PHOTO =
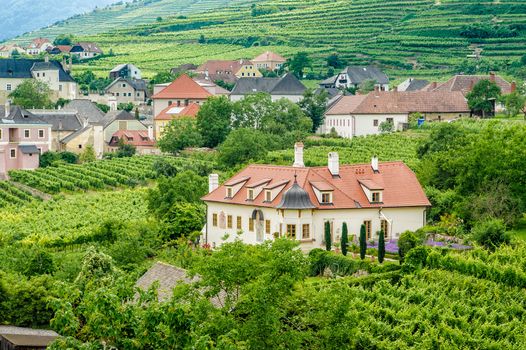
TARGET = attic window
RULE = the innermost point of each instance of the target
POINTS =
(268, 196)
(376, 197)
(326, 198)
(250, 194)
(229, 192)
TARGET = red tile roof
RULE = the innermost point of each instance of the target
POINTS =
(401, 102)
(183, 87)
(174, 112)
(401, 187)
(132, 137)
(464, 83)
(269, 56)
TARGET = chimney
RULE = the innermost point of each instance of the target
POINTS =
(150, 132)
(334, 164)
(213, 182)
(374, 164)
(513, 86)
(7, 108)
(492, 76)
(298, 155)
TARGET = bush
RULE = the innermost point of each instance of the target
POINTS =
(491, 233)
(407, 241)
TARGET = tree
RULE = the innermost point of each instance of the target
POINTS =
(386, 127)
(407, 241)
(345, 239)
(367, 86)
(104, 108)
(213, 120)
(243, 145)
(69, 157)
(125, 150)
(314, 106)
(128, 107)
(491, 233)
(363, 242)
(381, 247)
(515, 104)
(32, 93)
(482, 98)
(298, 63)
(328, 237)
(88, 155)
(164, 168)
(202, 39)
(39, 263)
(63, 39)
(180, 134)
(182, 220)
(334, 61)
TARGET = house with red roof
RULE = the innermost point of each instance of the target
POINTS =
(269, 61)
(38, 45)
(171, 113)
(263, 202)
(142, 140)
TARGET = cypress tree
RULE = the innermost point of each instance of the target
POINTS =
(328, 243)
(381, 247)
(345, 238)
(363, 243)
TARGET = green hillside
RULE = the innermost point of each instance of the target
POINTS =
(428, 38)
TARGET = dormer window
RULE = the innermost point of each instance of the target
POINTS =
(229, 192)
(326, 198)
(268, 196)
(376, 197)
(250, 194)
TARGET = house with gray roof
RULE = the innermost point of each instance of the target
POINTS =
(353, 76)
(126, 90)
(288, 87)
(126, 70)
(14, 72)
(412, 84)
(13, 338)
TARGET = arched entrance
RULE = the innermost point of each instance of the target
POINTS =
(259, 220)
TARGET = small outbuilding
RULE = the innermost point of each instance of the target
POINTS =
(19, 338)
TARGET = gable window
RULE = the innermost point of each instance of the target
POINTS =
(12, 153)
(41, 133)
(229, 192)
(375, 196)
(239, 223)
(267, 226)
(123, 85)
(291, 231)
(367, 224)
(229, 221)
(214, 220)
(326, 198)
(26, 133)
(385, 227)
(250, 194)
(251, 225)
(375, 122)
(305, 231)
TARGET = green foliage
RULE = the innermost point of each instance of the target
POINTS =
(97, 270)
(367, 86)
(381, 247)
(363, 242)
(213, 120)
(88, 155)
(32, 93)
(386, 127)
(482, 97)
(180, 134)
(39, 263)
(491, 233)
(125, 150)
(407, 241)
(63, 39)
(298, 63)
(164, 168)
(128, 107)
(104, 108)
(51, 158)
(344, 239)
(335, 61)
(314, 106)
(487, 30)
(182, 220)
(243, 145)
(327, 236)
(515, 104)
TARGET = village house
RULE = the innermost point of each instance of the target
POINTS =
(183, 68)
(126, 70)
(38, 46)
(181, 92)
(23, 137)
(142, 140)
(263, 202)
(15, 71)
(8, 50)
(288, 87)
(227, 71)
(412, 84)
(63, 123)
(126, 90)
(465, 83)
(269, 61)
(359, 115)
(19, 338)
(171, 113)
(354, 76)
(85, 50)
(60, 49)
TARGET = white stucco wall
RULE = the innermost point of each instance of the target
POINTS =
(359, 125)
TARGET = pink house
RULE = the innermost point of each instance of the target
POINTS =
(23, 137)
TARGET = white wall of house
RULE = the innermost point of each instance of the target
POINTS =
(399, 219)
(343, 81)
(7, 86)
(360, 125)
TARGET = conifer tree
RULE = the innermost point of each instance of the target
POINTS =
(381, 247)
(363, 243)
(345, 239)
(328, 243)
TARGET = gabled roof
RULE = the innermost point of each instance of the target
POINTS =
(401, 102)
(63, 76)
(269, 56)
(62, 48)
(28, 337)
(38, 42)
(286, 85)
(358, 74)
(75, 134)
(136, 84)
(401, 187)
(59, 119)
(112, 116)
(413, 85)
(174, 112)
(19, 115)
(86, 47)
(22, 68)
(85, 109)
(464, 83)
(184, 88)
(132, 137)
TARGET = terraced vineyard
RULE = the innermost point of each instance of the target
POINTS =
(400, 35)
(100, 174)
(12, 195)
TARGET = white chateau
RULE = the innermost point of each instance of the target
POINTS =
(263, 202)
